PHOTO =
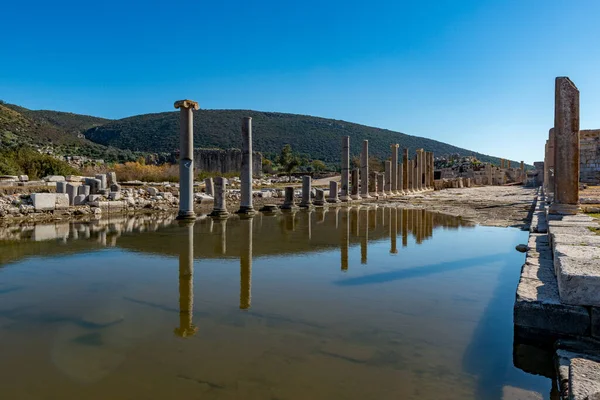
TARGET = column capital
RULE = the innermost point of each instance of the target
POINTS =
(187, 104)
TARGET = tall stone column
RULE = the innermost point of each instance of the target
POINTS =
(246, 263)
(364, 171)
(552, 160)
(186, 158)
(400, 179)
(373, 183)
(405, 171)
(502, 163)
(546, 164)
(566, 148)
(186, 285)
(394, 170)
(306, 189)
(355, 195)
(421, 169)
(381, 185)
(410, 177)
(388, 178)
(246, 175)
(522, 172)
(416, 173)
(345, 195)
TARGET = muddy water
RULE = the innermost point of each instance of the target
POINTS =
(359, 303)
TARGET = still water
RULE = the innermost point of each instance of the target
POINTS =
(350, 303)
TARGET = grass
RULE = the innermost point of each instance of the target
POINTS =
(594, 229)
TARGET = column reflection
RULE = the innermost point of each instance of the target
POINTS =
(344, 237)
(246, 263)
(186, 283)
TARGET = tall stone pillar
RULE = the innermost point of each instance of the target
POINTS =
(186, 158)
(421, 159)
(306, 190)
(246, 263)
(400, 179)
(394, 170)
(186, 285)
(373, 183)
(405, 171)
(388, 178)
(508, 164)
(364, 171)
(381, 185)
(220, 199)
(552, 160)
(522, 172)
(410, 176)
(416, 173)
(345, 194)
(566, 148)
(502, 163)
(246, 176)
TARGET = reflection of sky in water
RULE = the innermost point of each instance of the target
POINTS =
(433, 320)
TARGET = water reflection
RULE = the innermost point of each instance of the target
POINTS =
(246, 263)
(186, 284)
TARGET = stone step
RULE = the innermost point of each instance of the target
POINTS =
(578, 374)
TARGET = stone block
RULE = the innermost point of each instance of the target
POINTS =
(99, 203)
(584, 379)
(538, 304)
(116, 204)
(83, 190)
(80, 200)
(43, 201)
(61, 187)
(114, 195)
(55, 178)
(578, 272)
(595, 314)
(94, 185)
(94, 197)
(72, 192)
(115, 187)
(74, 178)
(152, 191)
(62, 201)
(102, 178)
(111, 178)
(23, 178)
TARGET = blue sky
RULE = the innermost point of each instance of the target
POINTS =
(476, 74)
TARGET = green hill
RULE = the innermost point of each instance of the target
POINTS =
(319, 138)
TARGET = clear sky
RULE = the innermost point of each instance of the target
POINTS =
(476, 74)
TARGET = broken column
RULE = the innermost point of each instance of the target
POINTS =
(186, 158)
(344, 196)
(380, 185)
(333, 192)
(319, 197)
(388, 179)
(566, 148)
(246, 175)
(355, 182)
(364, 171)
(306, 201)
(288, 202)
(209, 186)
(220, 202)
(394, 170)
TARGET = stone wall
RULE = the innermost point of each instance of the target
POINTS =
(589, 156)
(225, 161)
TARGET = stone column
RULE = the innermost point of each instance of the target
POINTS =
(566, 148)
(502, 163)
(246, 174)
(388, 178)
(421, 159)
(355, 195)
(364, 171)
(416, 174)
(522, 173)
(400, 181)
(488, 173)
(246, 263)
(220, 200)
(508, 164)
(319, 197)
(306, 189)
(186, 158)
(552, 161)
(410, 177)
(186, 286)
(333, 192)
(373, 184)
(210, 187)
(345, 169)
(394, 170)
(288, 203)
(405, 171)
(380, 185)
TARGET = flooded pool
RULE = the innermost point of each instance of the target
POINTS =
(349, 303)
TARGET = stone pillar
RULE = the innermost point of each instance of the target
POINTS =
(333, 192)
(405, 171)
(288, 203)
(488, 174)
(551, 160)
(566, 148)
(209, 186)
(355, 195)
(508, 164)
(410, 177)
(380, 185)
(400, 180)
(522, 172)
(416, 174)
(502, 163)
(319, 197)
(345, 169)
(246, 263)
(364, 171)
(186, 286)
(306, 189)
(186, 158)
(421, 159)
(373, 184)
(220, 199)
(246, 174)
(394, 170)
(388, 178)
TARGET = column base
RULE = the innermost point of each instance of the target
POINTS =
(269, 209)
(333, 200)
(564, 209)
(186, 215)
(305, 205)
(246, 210)
(365, 196)
(219, 214)
(317, 203)
(344, 198)
(288, 207)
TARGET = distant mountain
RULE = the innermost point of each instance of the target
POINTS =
(319, 138)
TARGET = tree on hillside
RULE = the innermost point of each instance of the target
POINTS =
(288, 160)
(318, 166)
